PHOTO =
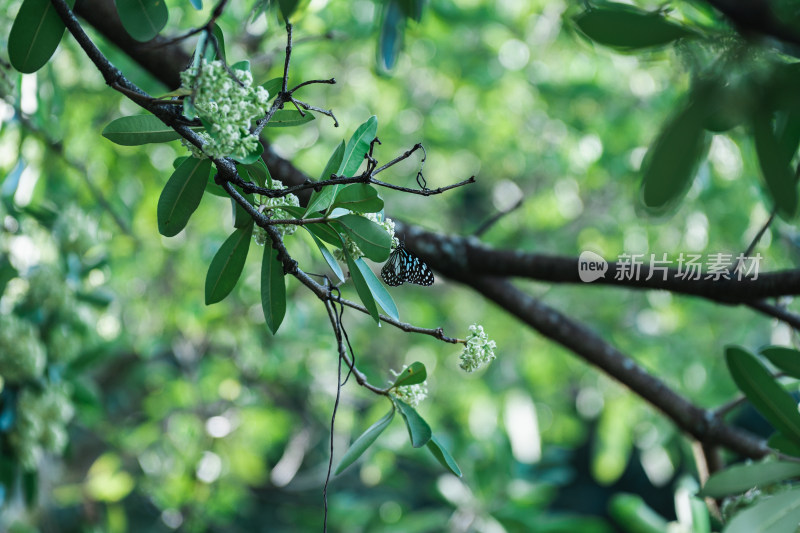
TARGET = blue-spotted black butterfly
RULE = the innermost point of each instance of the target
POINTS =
(405, 267)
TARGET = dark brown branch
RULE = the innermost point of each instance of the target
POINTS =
(701, 424)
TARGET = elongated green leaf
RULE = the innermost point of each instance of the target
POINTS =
(326, 233)
(373, 240)
(241, 218)
(287, 7)
(766, 395)
(780, 180)
(418, 430)
(286, 118)
(628, 28)
(220, 37)
(139, 129)
(359, 197)
(391, 38)
(364, 441)
(778, 442)
(443, 456)
(332, 262)
(358, 146)
(182, 195)
(776, 514)
(672, 160)
(253, 156)
(273, 289)
(741, 478)
(379, 292)
(411, 375)
(273, 87)
(362, 288)
(35, 35)
(142, 19)
(320, 201)
(259, 172)
(227, 265)
(787, 359)
(631, 510)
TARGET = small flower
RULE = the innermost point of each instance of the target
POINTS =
(271, 206)
(411, 394)
(478, 349)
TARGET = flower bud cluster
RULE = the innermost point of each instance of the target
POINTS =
(270, 206)
(411, 394)
(41, 425)
(478, 351)
(227, 107)
(22, 354)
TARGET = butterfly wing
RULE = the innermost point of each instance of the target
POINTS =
(392, 272)
(415, 270)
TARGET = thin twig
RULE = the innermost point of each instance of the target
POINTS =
(483, 228)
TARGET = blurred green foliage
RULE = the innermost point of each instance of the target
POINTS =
(197, 418)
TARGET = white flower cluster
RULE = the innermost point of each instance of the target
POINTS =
(22, 354)
(478, 351)
(353, 249)
(227, 107)
(42, 417)
(270, 206)
(411, 394)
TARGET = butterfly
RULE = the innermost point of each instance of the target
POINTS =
(404, 266)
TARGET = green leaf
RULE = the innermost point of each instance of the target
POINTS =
(241, 218)
(373, 239)
(774, 514)
(273, 289)
(418, 430)
(443, 456)
(35, 35)
(286, 118)
(332, 262)
(631, 510)
(628, 28)
(7, 273)
(358, 146)
(390, 41)
(320, 201)
(359, 197)
(142, 19)
(364, 441)
(287, 8)
(786, 359)
(379, 292)
(181, 195)
(743, 477)
(780, 180)
(362, 287)
(244, 65)
(325, 232)
(273, 87)
(227, 265)
(672, 160)
(259, 172)
(777, 441)
(764, 392)
(140, 129)
(216, 31)
(411, 375)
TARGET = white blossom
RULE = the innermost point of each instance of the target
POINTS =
(478, 349)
